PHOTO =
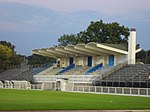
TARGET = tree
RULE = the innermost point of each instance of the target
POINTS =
(116, 34)
(6, 56)
(96, 32)
(67, 40)
(8, 44)
(143, 56)
(100, 32)
(37, 59)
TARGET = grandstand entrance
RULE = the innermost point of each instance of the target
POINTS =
(89, 60)
(58, 86)
(61, 84)
(71, 61)
(111, 60)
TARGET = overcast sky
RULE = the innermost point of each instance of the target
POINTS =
(30, 24)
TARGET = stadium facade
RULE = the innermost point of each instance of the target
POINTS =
(85, 64)
(92, 67)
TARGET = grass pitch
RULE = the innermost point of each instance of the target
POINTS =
(53, 100)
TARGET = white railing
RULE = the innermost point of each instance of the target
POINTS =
(33, 87)
(122, 61)
(110, 90)
(70, 78)
(14, 84)
(37, 86)
(1, 84)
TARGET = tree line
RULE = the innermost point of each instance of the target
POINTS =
(100, 32)
(9, 58)
(8, 55)
(143, 56)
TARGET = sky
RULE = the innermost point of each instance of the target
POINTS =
(31, 24)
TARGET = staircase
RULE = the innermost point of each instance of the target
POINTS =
(66, 69)
(94, 69)
(78, 70)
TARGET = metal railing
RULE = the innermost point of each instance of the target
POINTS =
(71, 78)
(36, 86)
(22, 87)
(110, 90)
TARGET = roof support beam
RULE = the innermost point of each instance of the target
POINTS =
(62, 50)
(78, 52)
(83, 48)
(53, 51)
(42, 54)
(51, 55)
(112, 49)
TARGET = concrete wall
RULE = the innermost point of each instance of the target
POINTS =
(97, 60)
(83, 61)
(80, 60)
(64, 62)
(120, 58)
(105, 59)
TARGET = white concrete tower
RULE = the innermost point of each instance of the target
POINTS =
(132, 46)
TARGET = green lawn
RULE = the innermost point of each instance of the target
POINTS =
(53, 100)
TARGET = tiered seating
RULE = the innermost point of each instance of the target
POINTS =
(27, 75)
(7, 75)
(101, 70)
(52, 71)
(17, 74)
(129, 73)
(66, 69)
(94, 70)
(41, 68)
(78, 70)
(104, 69)
(47, 71)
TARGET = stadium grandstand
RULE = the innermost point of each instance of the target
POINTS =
(92, 64)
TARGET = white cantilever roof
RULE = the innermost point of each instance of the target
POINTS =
(89, 49)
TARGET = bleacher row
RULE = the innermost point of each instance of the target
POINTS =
(71, 70)
(128, 73)
(128, 76)
(13, 84)
(17, 74)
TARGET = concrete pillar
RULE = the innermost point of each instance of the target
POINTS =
(93, 60)
(84, 61)
(132, 46)
(76, 60)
